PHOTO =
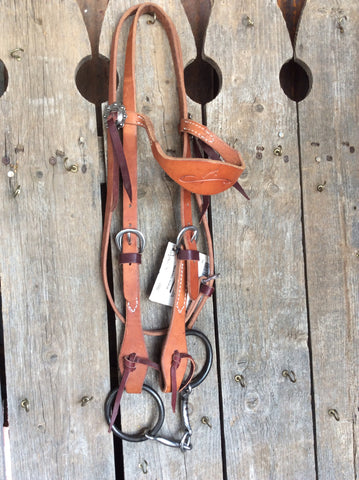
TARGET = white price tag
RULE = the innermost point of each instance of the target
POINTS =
(163, 289)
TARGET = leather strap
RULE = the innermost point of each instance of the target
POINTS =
(133, 340)
(176, 336)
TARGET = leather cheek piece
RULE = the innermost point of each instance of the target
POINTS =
(192, 257)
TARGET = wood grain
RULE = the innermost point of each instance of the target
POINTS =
(261, 298)
(329, 152)
(159, 220)
(287, 298)
(54, 309)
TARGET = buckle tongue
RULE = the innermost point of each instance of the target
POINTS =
(118, 108)
(181, 234)
(128, 231)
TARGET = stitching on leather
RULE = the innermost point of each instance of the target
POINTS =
(142, 122)
(206, 135)
(135, 307)
(180, 310)
(206, 139)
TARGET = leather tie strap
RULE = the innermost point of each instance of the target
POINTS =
(211, 153)
(130, 362)
(177, 357)
(119, 159)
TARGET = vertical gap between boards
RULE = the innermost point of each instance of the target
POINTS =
(310, 352)
(4, 434)
(2, 369)
(216, 335)
(112, 347)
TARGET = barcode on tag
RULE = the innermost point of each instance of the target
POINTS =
(163, 289)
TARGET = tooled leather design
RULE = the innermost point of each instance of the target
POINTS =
(211, 176)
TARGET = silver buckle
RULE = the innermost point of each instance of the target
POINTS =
(181, 234)
(118, 108)
(128, 231)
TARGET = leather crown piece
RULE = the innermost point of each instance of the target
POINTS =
(201, 176)
(197, 175)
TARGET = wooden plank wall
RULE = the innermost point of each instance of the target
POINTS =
(329, 137)
(287, 299)
(263, 327)
(53, 305)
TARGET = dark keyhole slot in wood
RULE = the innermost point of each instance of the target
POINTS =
(295, 79)
(92, 78)
(4, 78)
(203, 80)
(292, 11)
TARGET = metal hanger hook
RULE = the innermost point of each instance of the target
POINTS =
(71, 168)
(153, 19)
(289, 374)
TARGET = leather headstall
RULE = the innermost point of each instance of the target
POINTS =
(215, 168)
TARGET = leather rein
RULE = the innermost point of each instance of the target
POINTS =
(195, 175)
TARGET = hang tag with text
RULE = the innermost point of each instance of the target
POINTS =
(163, 289)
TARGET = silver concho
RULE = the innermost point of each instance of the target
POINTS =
(121, 114)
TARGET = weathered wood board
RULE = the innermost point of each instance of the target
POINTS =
(287, 299)
(261, 298)
(53, 305)
(329, 139)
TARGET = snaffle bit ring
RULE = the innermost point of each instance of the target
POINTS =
(137, 437)
(198, 379)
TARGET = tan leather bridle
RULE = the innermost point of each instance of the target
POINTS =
(199, 176)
